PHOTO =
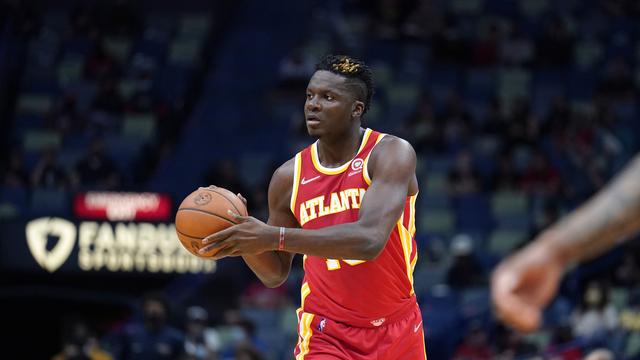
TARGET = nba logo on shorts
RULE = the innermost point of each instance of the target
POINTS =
(321, 325)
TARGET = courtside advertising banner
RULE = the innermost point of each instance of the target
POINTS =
(60, 245)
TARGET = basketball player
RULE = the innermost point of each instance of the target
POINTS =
(347, 203)
(525, 282)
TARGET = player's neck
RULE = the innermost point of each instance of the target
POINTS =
(337, 151)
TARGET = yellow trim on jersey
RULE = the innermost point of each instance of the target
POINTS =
(412, 214)
(365, 170)
(297, 169)
(336, 170)
(424, 345)
(405, 239)
(305, 290)
(304, 336)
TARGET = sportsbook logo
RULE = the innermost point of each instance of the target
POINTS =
(38, 232)
(113, 247)
(357, 164)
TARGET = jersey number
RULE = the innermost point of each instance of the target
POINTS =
(334, 264)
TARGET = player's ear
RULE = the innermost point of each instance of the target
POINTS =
(357, 109)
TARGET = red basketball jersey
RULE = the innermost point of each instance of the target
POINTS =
(355, 292)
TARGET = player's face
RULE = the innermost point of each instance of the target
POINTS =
(330, 105)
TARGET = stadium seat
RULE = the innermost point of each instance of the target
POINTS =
(502, 242)
(472, 213)
(437, 221)
(49, 202)
(14, 202)
(466, 7)
(513, 84)
(119, 48)
(34, 104)
(70, 70)
(480, 85)
(38, 140)
(533, 8)
(194, 26)
(619, 297)
(436, 183)
(507, 203)
(139, 126)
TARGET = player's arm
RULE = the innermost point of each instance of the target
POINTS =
(525, 282)
(272, 267)
(607, 219)
(392, 170)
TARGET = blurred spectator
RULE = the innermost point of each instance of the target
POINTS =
(516, 49)
(600, 354)
(465, 271)
(15, 175)
(65, 117)
(485, 50)
(201, 342)
(423, 130)
(100, 64)
(225, 174)
(474, 346)
(27, 20)
(557, 119)
(96, 171)
(389, 16)
(82, 22)
(80, 343)
(495, 122)
(152, 338)
(505, 176)
(464, 178)
(627, 274)
(562, 345)
(555, 46)
(119, 18)
(256, 295)
(423, 21)
(237, 335)
(457, 123)
(450, 45)
(512, 344)
(48, 174)
(595, 315)
(540, 177)
(626, 340)
(617, 82)
(107, 108)
(550, 214)
(108, 98)
(294, 71)
(247, 352)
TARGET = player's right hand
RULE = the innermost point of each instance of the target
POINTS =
(523, 284)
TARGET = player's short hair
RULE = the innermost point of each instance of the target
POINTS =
(359, 76)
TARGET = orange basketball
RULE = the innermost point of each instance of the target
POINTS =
(204, 212)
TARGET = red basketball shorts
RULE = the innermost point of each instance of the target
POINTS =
(322, 338)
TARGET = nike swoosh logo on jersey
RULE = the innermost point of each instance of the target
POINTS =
(306, 181)
(354, 173)
(417, 327)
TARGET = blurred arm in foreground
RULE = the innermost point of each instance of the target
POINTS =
(524, 283)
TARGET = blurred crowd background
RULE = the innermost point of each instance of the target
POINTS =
(518, 110)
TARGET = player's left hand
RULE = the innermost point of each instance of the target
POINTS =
(249, 236)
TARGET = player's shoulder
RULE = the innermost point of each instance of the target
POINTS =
(395, 145)
(284, 172)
